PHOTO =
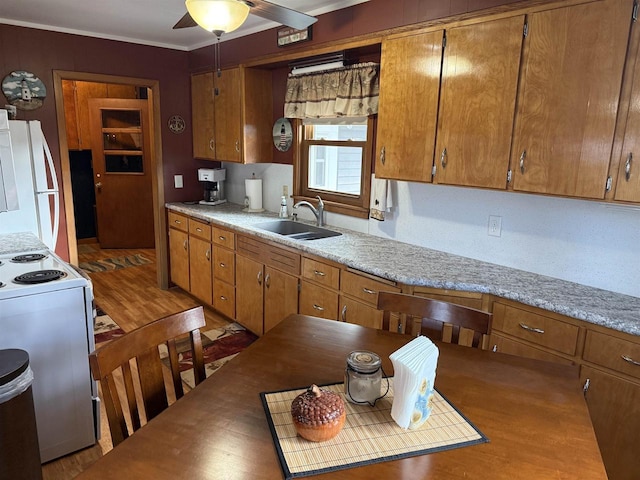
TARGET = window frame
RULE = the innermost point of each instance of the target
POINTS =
(346, 204)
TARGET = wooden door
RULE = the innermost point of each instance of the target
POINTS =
(179, 258)
(613, 405)
(202, 116)
(228, 120)
(249, 293)
(409, 86)
(477, 103)
(569, 89)
(280, 297)
(352, 311)
(200, 269)
(121, 151)
(318, 301)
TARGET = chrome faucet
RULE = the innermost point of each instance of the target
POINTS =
(316, 211)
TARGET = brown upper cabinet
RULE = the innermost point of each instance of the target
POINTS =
(232, 115)
(477, 103)
(573, 60)
(408, 108)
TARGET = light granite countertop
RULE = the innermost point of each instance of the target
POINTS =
(414, 265)
(20, 242)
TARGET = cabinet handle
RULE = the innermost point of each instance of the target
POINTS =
(185, 244)
(443, 158)
(260, 277)
(382, 155)
(318, 307)
(177, 222)
(238, 146)
(627, 167)
(220, 237)
(585, 388)
(630, 360)
(222, 297)
(319, 273)
(212, 144)
(531, 329)
(343, 314)
(370, 292)
(522, 157)
(208, 255)
(495, 348)
(222, 265)
(266, 280)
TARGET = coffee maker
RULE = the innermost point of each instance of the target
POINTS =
(213, 179)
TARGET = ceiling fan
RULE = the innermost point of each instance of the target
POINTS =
(224, 16)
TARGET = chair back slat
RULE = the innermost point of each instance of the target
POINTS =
(457, 324)
(141, 345)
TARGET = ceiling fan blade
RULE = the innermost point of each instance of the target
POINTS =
(185, 22)
(282, 15)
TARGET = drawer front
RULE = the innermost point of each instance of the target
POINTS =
(352, 311)
(364, 288)
(224, 298)
(223, 237)
(544, 331)
(200, 229)
(612, 352)
(285, 260)
(224, 265)
(505, 345)
(178, 221)
(321, 273)
(318, 302)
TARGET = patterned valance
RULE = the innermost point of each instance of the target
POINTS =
(348, 91)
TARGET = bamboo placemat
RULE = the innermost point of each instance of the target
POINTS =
(369, 434)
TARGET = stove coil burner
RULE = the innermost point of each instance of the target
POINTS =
(2, 284)
(29, 257)
(39, 276)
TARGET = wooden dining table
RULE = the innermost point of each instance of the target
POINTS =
(533, 412)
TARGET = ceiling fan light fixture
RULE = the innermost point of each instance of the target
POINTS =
(218, 16)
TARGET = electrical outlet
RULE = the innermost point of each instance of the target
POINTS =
(285, 190)
(495, 226)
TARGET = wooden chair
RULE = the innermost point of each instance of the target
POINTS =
(455, 323)
(141, 344)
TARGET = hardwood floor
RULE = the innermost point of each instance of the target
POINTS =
(132, 298)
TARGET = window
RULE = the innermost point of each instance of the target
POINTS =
(335, 163)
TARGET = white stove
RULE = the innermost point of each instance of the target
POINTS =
(46, 309)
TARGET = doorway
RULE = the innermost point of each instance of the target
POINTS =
(155, 161)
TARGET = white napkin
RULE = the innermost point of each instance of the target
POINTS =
(381, 199)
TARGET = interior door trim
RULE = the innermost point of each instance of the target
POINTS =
(157, 182)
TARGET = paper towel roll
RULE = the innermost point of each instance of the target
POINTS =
(253, 191)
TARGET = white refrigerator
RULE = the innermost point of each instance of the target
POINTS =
(36, 184)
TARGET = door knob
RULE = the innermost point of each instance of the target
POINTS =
(99, 186)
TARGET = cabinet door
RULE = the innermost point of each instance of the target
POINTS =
(501, 344)
(352, 311)
(179, 258)
(227, 114)
(615, 413)
(202, 116)
(249, 295)
(200, 268)
(477, 103)
(280, 297)
(318, 302)
(409, 86)
(568, 100)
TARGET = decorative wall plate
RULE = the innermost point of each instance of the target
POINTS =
(282, 134)
(176, 124)
(24, 90)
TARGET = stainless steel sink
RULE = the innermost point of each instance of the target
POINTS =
(296, 230)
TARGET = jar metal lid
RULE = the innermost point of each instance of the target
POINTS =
(363, 361)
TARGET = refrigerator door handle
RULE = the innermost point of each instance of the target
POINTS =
(54, 191)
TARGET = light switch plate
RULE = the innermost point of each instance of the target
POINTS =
(177, 181)
(495, 226)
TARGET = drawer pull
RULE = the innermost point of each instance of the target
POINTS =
(319, 273)
(370, 292)
(224, 239)
(630, 360)
(222, 297)
(222, 265)
(318, 307)
(198, 229)
(177, 222)
(531, 329)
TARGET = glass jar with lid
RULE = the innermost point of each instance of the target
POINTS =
(363, 378)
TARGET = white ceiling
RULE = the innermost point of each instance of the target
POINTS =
(148, 22)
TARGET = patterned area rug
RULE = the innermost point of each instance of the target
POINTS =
(105, 329)
(115, 263)
(219, 346)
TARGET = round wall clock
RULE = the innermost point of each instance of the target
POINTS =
(176, 124)
(282, 134)
(24, 90)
